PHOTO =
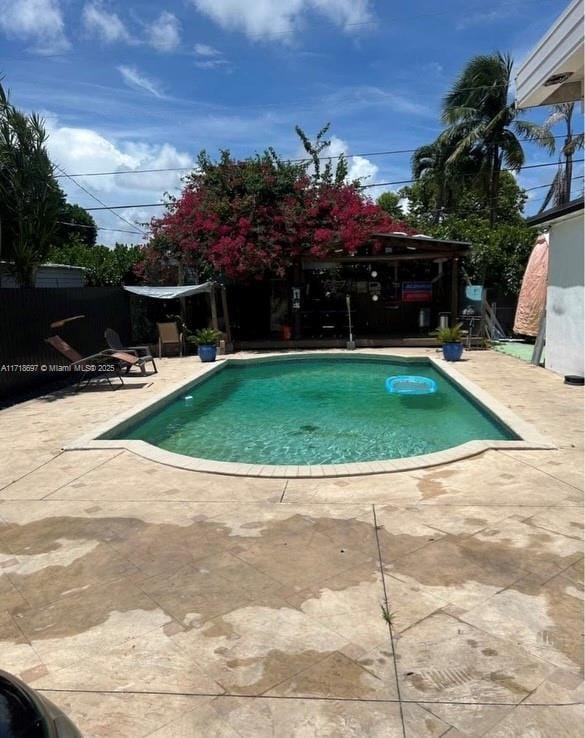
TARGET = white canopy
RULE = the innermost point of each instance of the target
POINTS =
(170, 292)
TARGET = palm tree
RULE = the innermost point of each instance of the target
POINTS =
(484, 121)
(443, 178)
(559, 192)
(30, 198)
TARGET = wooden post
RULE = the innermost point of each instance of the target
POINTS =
(181, 282)
(226, 319)
(213, 303)
(454, 291)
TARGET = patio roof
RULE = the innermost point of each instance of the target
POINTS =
(401, 247)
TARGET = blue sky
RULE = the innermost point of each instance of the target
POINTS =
(135, 85)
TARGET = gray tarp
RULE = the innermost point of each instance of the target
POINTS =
(171, 292)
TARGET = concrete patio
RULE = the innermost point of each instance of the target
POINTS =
(147, 600)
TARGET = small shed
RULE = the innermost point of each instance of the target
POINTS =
(47, 275)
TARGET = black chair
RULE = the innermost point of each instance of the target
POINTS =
(142, 353)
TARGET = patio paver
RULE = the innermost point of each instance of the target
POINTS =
(152, 601)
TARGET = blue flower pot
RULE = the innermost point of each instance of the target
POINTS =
(207, 352)
(452, 351)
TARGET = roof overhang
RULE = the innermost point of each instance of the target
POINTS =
(553, 70)
(49, 265)
(399, 247)
(416, 246)
(563, 212)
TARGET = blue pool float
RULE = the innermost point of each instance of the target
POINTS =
(411, 385)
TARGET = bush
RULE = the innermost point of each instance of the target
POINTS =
(106, 267)
(499, 253)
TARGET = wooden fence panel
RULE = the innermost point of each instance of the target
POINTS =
(25, 318)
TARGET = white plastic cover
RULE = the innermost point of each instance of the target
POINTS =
(170, 292)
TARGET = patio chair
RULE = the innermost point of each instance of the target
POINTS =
(141, 352)
(92, 367)
(169, 335)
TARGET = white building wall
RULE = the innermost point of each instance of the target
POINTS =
(565, 308)
(48, 275)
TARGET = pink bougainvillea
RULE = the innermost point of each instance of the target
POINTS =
(261, 216)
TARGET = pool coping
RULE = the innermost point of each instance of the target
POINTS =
(529, 438)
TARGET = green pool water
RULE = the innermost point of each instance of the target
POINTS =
(314, 411)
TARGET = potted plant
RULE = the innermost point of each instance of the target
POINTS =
(450, 338)
(206, 341)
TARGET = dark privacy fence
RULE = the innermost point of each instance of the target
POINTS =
(25, 318)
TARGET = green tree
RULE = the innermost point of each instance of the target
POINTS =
(469, 203)
(390, 202)
(30, 198)
(483, 121)
(442, 180)
(75, 224)
(560, 189)
(499, 252)
(106, 267)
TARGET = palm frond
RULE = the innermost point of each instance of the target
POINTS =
(540, 135)
(483, 85)
(466, 143)
(554, 193)
(575, 143)
(512, 151)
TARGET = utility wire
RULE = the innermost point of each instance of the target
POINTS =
(540, 187)
(97, 227)
(291, 161)
(124, 207)
(375, 184)
(527, 166)
(103, 205)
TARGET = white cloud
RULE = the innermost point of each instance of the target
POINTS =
(345, 13)
(41, 21)
(209, 57)
(269, 19)
(82, 150)
(487, 17)
(359, 167)
(135, 79)
(205, 50)
(105, 24)
(211, 63)
(164, 34)
(352, 99)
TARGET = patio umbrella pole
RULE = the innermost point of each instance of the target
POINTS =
(350, 345)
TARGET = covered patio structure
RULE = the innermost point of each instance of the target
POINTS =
(398, 294)
(181, 292)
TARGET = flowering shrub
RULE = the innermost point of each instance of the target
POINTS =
(246, 219)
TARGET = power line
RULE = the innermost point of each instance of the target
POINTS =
(368, 154)
(124, 207)
(527, 166)
(375, 184)
(103, 205)
(97, 228)
(540, 187)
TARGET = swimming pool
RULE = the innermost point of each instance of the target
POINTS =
(313, 411)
